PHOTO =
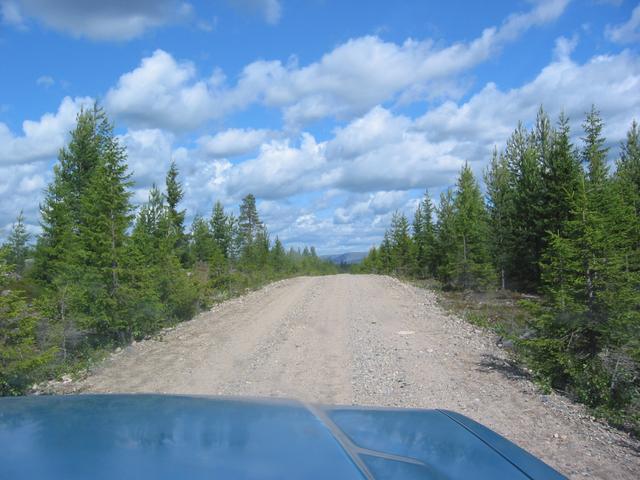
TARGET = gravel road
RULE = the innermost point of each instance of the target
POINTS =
(365, 340)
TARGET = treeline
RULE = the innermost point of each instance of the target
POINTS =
(556, 220)
(101, 274)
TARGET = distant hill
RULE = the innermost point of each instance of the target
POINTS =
(349, 258)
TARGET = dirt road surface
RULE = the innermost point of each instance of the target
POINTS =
(365, 340)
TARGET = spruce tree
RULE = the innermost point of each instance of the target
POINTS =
(472, 267)
(173, 197)
(401, 245)
(446, 238)
(424, 237)
(59, 250)
(106, 214)
(222, 229)
(278, 256)
(501, 211)
(203, 245)
(527, 221)
(561, 176)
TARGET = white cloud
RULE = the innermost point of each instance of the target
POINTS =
(612, 82)
(279, 170)
(100, 20)
(377, 203)
(271, 10)
(346, 82)
(149, 154)
(23, 184)
(564, 47)
(232, 142)
(41, 139)
(628, 32)
(162, 93)
(383, 151)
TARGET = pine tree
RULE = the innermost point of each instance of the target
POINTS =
(18, 245)
(249, 224)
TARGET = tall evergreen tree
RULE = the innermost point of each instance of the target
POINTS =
(424, 237)
(594, 152)
(527, 221)
(222, 229)
(249, 224)
(59, 249)
(402, 257)
(561, 176)
(472, 267)
(501, 211)
(446, 238)
(173, 197)
(104, 221)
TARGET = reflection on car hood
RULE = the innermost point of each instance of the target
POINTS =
(168, 437)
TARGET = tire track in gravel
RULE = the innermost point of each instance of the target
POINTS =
(365, 340)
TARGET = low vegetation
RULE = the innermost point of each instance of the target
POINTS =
(102, 274)
(557, 223)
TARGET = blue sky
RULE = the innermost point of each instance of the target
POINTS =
(335, 114)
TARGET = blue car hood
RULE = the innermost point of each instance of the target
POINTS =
(169, 437)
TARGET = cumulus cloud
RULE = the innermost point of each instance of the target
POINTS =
(627, 32)
(149, 153)
(163, 93)
(385, 151)
(40, 140)
(97, 19)
(280, 169)
(166, 93)
(612, 82)
(271, 10)
(232, 142)
(23, 184)
(377, 203)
